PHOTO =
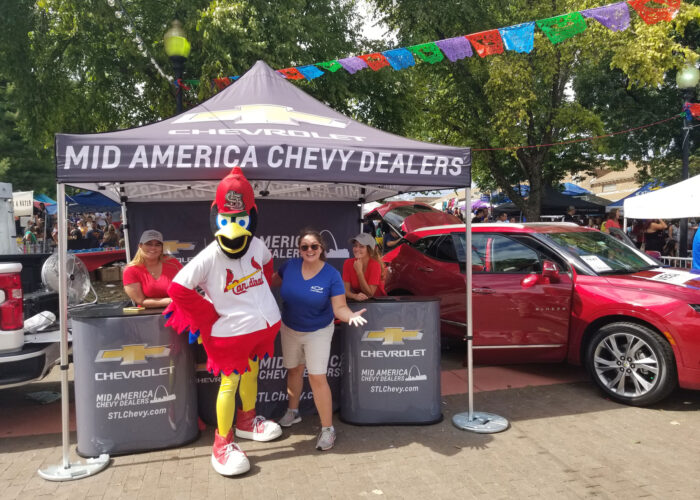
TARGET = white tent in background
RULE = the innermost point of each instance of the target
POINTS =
(674, 202)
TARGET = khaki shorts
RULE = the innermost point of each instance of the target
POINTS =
(312, 349)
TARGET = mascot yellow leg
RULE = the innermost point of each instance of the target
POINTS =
(248, 425)
(226, 402)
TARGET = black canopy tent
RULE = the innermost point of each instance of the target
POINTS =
(556, 203)
(289, 145)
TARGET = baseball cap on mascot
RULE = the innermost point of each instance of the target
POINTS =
(233, 216)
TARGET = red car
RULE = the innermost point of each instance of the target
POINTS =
(549, 292)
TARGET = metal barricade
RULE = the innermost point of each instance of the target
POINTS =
(677, 262)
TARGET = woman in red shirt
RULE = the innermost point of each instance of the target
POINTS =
(148, 275)
(363, 275)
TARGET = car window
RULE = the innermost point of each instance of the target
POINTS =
(424, 244)
(495, 253)
(442, 249)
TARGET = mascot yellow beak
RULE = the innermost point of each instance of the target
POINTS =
(230, 235)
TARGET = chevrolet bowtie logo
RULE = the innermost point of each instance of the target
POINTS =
(392, 335)
(173, 247)
(133, 354)
(261, 113)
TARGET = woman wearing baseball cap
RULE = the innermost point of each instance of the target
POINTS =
(363, 275)
(148, 275)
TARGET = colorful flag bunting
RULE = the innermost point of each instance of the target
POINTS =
(563, 27)
(222, 83)
(331, 66)
(487, 42)
(519, 38)
(310, 72)
(692, 110)
(653, 11)
(455, 48)
(375, 61)
(615, 16)
(399, 58)
(353, 64)
(291, 74)
(427, 52)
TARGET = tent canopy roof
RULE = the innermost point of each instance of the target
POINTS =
(291, 144)
(678, 201)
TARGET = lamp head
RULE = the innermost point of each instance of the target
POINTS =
(688, 77)
(176, 44)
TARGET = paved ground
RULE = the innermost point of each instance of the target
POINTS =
(565, 441)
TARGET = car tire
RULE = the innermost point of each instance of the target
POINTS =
(618, 371)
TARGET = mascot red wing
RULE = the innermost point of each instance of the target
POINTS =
(238, 323)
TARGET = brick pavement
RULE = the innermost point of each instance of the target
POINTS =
(565, 441)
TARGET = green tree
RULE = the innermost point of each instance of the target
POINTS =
(19, 163)
(510, 100)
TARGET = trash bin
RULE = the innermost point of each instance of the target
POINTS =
(391, 365)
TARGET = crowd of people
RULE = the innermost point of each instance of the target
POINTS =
(85, 231)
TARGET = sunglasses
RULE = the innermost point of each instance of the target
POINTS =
(314, 246)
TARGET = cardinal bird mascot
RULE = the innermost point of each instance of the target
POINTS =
(239, 321)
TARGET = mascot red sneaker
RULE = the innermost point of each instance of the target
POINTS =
(239, 321)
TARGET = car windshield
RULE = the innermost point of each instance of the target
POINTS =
(601, 252)
(396, 216)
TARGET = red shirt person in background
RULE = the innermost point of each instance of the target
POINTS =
(149, 274)
(612, 220)
(363, 275)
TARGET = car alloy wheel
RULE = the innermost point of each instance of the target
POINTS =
(632, 363)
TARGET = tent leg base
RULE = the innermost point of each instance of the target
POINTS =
(76, 470)
(481, 422)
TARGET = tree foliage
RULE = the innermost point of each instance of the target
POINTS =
(532, 100)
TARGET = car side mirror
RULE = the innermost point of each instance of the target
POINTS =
(550, 272)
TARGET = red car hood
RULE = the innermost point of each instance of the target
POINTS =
(662, 281)
(427, 219)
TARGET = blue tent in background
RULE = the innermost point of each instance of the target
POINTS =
(90, 201)
(571, 189)
(42, 198)
(646, 188)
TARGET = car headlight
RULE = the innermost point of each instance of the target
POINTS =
(696, 307)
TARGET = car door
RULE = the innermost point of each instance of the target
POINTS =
(510, 310)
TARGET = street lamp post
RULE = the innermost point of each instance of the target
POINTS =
(178, 48)
(687, 80)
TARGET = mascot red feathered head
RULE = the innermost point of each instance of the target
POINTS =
(234, 216)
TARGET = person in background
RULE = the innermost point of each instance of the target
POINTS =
(75, 232)
(82, 226)
(111, 238)
(363, 275)
(502, 217)
(149, 274)
(312, 292)
(611, 221)
(30, 235)
(390, 239)
(654, 235)
(93, 236)
(479, 216)
(569, 215)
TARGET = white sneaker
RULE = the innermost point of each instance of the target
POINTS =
(326, 439)
(227, 458)
(260, 430)
(290, 418)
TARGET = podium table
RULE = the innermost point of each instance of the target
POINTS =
(134, 382)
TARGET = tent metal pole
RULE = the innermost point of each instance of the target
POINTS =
(479, 422)
(125, 226)
(66, 471)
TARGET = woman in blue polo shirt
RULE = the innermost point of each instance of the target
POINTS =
(313, 294)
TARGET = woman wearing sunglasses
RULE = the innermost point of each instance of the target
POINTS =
(313, 294)
(148, 275)
(362, 276)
